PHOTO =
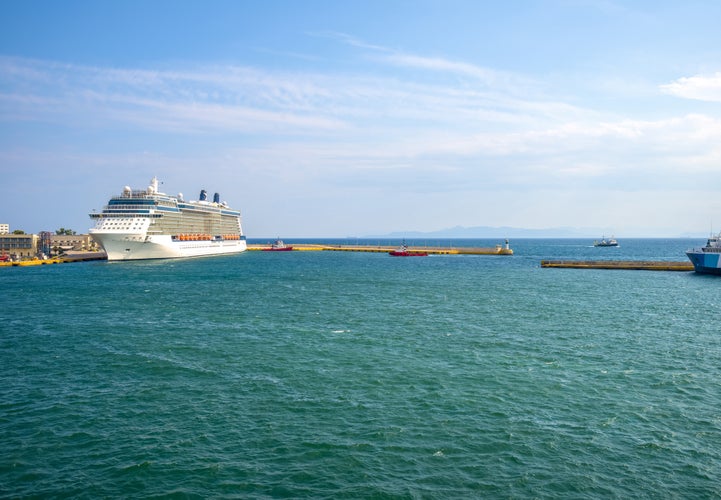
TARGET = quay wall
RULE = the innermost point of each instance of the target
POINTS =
(619, 264)
(385, 249)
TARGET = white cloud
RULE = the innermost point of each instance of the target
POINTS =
(473, 134)
(367, 122)
(698, 87)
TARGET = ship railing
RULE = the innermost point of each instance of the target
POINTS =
(123, 213)
(128, 206)
(136, 193)
(201, 208)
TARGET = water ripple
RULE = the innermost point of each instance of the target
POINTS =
(327, 375)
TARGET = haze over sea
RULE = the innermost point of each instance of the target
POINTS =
(342, 375)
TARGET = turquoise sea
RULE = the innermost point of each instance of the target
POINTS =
(359, 375)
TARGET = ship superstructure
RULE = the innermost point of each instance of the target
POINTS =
(148, 224)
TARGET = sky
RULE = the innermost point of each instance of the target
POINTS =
(327, 118)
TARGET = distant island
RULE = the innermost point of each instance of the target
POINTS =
(516, 232)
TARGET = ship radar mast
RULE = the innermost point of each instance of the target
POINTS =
(153, 188)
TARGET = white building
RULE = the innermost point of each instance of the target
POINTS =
(4, 228)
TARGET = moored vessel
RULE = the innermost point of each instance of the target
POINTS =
(404, 251)
(707, 259)
(278, 246)
(610, 242)
(148, 224)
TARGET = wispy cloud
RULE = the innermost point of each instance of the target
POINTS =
(349, 40)
(402, 59)
(242, 98)
(698, 87)
(232, 99)
(372, 128)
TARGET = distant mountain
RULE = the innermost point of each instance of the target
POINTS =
(496, 232)
(487, 232)
(695, 235)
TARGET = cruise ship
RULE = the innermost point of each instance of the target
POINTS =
(707, 259)
(148, 224)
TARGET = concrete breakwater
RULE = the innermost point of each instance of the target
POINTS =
(87, 256)
(497, 250)
(619, 264)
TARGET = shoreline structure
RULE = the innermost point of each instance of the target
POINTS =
(504, 250)
(628, 265)
(497, 250)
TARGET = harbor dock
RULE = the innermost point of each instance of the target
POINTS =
(619, 264)
(497, 250)
(70, 257)
(87, 256)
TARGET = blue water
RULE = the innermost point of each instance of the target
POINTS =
(358, 375)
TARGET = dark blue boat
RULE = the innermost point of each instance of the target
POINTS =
(707, 259)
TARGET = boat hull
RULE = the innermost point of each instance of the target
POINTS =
(705, 262)
(396, 253)
(134, 246)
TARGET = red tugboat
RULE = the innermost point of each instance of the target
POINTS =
(403, 251)
(279, 246)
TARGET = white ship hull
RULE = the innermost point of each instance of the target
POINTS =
(133, 246)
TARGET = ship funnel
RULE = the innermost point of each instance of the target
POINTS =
(216, 198)
(203, 195)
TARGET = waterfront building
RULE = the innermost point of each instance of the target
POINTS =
(19, 246)
(76, 242)
(27, 246)
(4, 228)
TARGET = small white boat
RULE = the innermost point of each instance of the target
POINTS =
(611, 242)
